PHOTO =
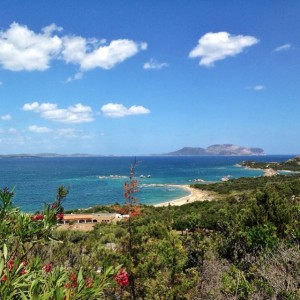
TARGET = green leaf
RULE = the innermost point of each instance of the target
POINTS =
(59, 293)
(80, 276)
(5, 251)
(1, 266)
(111, 270)
(23, 295)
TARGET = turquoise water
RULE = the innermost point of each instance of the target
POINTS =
(35, 180)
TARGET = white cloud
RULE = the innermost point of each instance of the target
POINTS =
(6, 117)
(284, 47)
(116, 110)
(48, 30)
(72, 133)
(154, 65)
(36, 107)
(23, 49)
(88, 55)
(258, 87)
(77, 113)
(77, 76)
(37, 129)
(68, 132)
(217, 46)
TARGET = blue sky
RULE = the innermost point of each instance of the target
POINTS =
(143, 77)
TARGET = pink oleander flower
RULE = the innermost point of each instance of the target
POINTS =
(72, 284)
(37, 217)
(10, 264)
(47, 268)
(23, 271)
(59, 217)
(122, 278)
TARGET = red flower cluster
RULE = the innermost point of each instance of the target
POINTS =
(122, 278)
(59, 217)
(89, 282)
(47, 268)
(37, 217)
(23, 271)
(4, 278)
(73, 282)
(10, 264)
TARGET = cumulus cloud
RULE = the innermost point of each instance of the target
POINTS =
(78, 50)
(24, 49)
(48, 30)
(6, 117)
(37, 129)
(116, 110)
(152, 64)
(77, 113)
(284, 47)
(217, 46)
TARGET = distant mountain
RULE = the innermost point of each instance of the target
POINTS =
(225, 149)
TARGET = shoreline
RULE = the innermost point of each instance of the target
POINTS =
(195, 195)
(268, 172)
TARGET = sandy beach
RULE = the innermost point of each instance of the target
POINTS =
(195, 195)
(269, 172)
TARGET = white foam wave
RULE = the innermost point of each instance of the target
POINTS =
(113, 177)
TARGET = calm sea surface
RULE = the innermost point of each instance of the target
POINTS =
(99, 181)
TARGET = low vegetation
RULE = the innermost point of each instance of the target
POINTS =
(292, 164)
(245, 246)
(288, 184)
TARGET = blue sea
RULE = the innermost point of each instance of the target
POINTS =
(99, 180)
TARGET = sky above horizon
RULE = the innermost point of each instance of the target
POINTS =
(148, 77)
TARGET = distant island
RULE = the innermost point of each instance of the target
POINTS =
(224, 149)
(218, 149)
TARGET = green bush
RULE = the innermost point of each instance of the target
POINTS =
(25, 277)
